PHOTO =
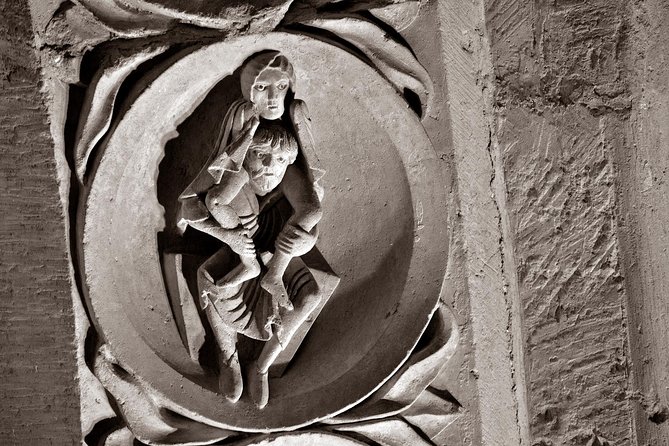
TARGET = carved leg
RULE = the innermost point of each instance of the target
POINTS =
(304, 305)
(230, 374)
(247, 269)
(258, 385)
(272, 282)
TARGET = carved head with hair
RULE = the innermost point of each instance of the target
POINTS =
(273, 149)
(266, 78)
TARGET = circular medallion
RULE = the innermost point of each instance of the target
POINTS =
(383, 232)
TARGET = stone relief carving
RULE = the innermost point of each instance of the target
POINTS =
(237, 199)
(207, 248)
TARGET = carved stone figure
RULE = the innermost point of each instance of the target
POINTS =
(237, 198)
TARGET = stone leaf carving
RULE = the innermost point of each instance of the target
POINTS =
(139, 18)
(142, 412)
(415, 375)
(432, 413)
(390, 432)
(96, 113)
(316, 438)
(398, 15)
(391, 58)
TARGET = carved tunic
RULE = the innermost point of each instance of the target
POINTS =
(247, 307)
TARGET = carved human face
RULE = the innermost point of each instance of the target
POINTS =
(266, 167)
(269, 92)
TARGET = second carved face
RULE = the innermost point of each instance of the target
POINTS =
(266, 167)
(268, 93)
(273, 149)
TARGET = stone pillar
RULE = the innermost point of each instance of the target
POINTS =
(643, 166)
(468, 72)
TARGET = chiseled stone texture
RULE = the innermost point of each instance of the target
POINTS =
(561, 103)
(38, 400)
(561, 200)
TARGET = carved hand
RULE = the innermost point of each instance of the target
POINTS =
(237, 148)
(238, 240)
(250, 127)
(295, 241)
(247, 132)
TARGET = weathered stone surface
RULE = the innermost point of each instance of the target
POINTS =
(560, 101)
(38, 392)
(561, 198)
(468, 76)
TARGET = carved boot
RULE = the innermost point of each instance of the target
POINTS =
(247, 269)
(258, 385)
(230, 378)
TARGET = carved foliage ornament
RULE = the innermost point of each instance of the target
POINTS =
(203, 332)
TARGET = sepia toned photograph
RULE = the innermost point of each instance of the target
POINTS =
(334, 222)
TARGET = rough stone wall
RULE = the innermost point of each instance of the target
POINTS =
(38, 400)
(561, 197)
(561, 105)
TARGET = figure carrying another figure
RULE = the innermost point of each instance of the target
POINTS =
(259, 195)
(234, 205)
